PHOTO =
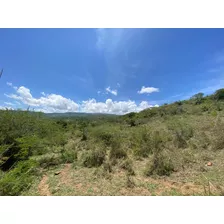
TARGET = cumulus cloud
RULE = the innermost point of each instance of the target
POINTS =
(148, 90)
(113, 107)
(49, 103)
(114, 92)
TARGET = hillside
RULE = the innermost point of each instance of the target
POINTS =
(175, 149)
(84, 115)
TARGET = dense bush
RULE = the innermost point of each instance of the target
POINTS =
(69, 156)
(103, 134)
(219, 94)
(141, 142)
(117, 153)
(198, 98)
(93, 158)
(160, 165)
(18, 179)
(182, 132)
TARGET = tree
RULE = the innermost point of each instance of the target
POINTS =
(219, 94)
(198, 98)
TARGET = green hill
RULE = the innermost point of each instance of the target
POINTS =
(175, 149)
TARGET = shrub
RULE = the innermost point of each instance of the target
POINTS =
(200, 141)
(198, 98)
(204, 108)
(104, 134)
(214, 113)
(69, 156)
(179, 140)
(84, 134)
(47, 161)
(157, 142)
(160, 165)
(18, 179)
(57, 139)
(181, 132)
(219, 95)
(127, 165)
(62, 123)
(117, 153)
(131, 122)
(107, 166)
(129, 181)
(179, 103)
(93, 158)
(141, 143)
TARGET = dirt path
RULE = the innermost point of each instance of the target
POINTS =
(65, 175)
(142, 185)
(43, 187)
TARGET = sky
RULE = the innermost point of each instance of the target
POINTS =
(114, 71)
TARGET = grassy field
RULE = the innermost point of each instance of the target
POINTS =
(175, 149)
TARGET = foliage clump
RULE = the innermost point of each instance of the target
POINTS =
(93, 158)
(19, 179)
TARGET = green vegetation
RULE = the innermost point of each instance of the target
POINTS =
(116, 154)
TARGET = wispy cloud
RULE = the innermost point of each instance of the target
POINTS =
(11, 85)
(220, 58)
(214, 70)
(82, 79)
(148, 90)
(135, 65)
(109, 90)
(178, 95)
(109, 39)
(101, 35)
(115, 45)
(9, 103)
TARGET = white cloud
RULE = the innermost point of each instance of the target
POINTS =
(9, 103)
(148, 90)
(43, 93)
(178, 95)
(114, 92)
(11, 85)
(110, 39)
(49, 103)
(101, 35)
(113, 107)
(56, 103)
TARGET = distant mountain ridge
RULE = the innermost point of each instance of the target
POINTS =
(76, 114)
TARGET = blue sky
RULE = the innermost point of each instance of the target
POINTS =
(107, 70)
